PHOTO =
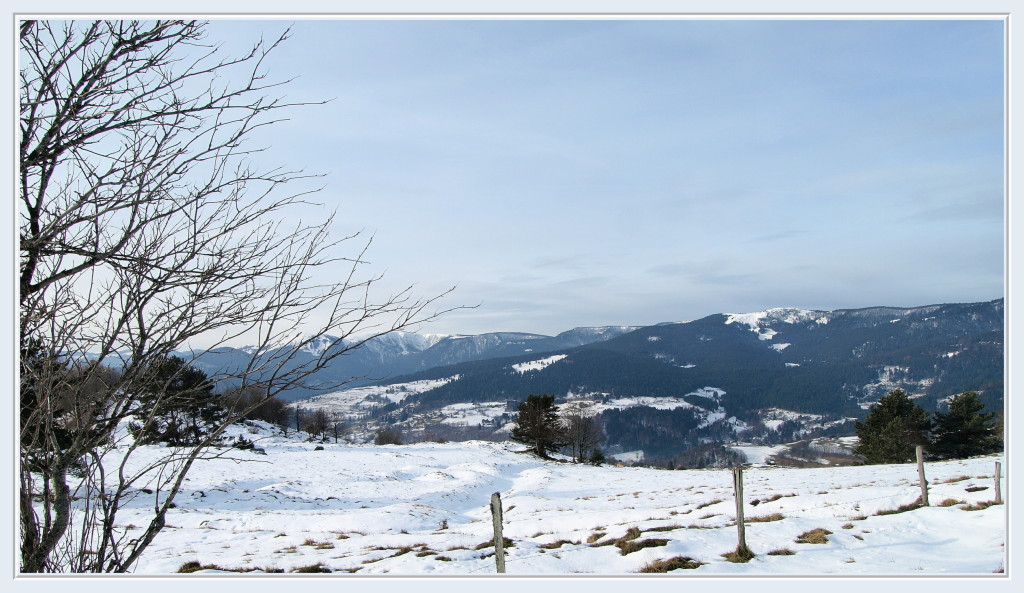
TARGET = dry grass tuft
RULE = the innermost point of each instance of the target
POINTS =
(558, 544)
(978, 506)
(506, 542)
(318, 568)
(670, 564)
(630, 546)
(671, 527)
(740, 555)
(765, 518)
(781, 552)
(902, 508)
(814, 536)
(194, 565)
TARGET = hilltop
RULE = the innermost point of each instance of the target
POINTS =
(423, 510)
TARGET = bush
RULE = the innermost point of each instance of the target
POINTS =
(388, 436)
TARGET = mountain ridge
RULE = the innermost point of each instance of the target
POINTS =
(828, 366)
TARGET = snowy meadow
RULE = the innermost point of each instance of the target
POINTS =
(424, 510)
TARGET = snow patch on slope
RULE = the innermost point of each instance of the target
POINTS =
(358, 401)
(760, 322)
(537, 365)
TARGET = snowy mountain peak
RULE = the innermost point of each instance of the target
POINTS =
(761, 321)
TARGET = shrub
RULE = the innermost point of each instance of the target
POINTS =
(387, 436)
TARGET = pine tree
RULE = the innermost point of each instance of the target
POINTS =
(539, 426)
(892, 430)
(964, 431)
(180, 403)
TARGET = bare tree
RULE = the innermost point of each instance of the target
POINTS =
(144, 226)
(317, 423)
(339, 427)
(583, 431)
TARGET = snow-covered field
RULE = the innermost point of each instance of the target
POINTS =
(424, 510)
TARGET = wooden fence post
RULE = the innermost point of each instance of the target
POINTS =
(737, 481)
(499, 539)
(920, 476)
(999, 490)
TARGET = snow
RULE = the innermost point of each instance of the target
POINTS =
(357, 400)
(758, 454)
(472, 414)
(629, 456)
(753, 321)
(422, 510)
(780, 347)
(537, 365)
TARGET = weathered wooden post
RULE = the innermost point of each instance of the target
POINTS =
(999, 490)
(737, 481)
(920, 476)
(499, 539)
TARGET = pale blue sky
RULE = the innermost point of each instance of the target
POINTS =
(602, 172)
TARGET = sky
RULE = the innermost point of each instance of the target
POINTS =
(565, 173)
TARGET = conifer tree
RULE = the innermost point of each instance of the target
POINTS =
(892, 430)
(539, 426)
(964, 431)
